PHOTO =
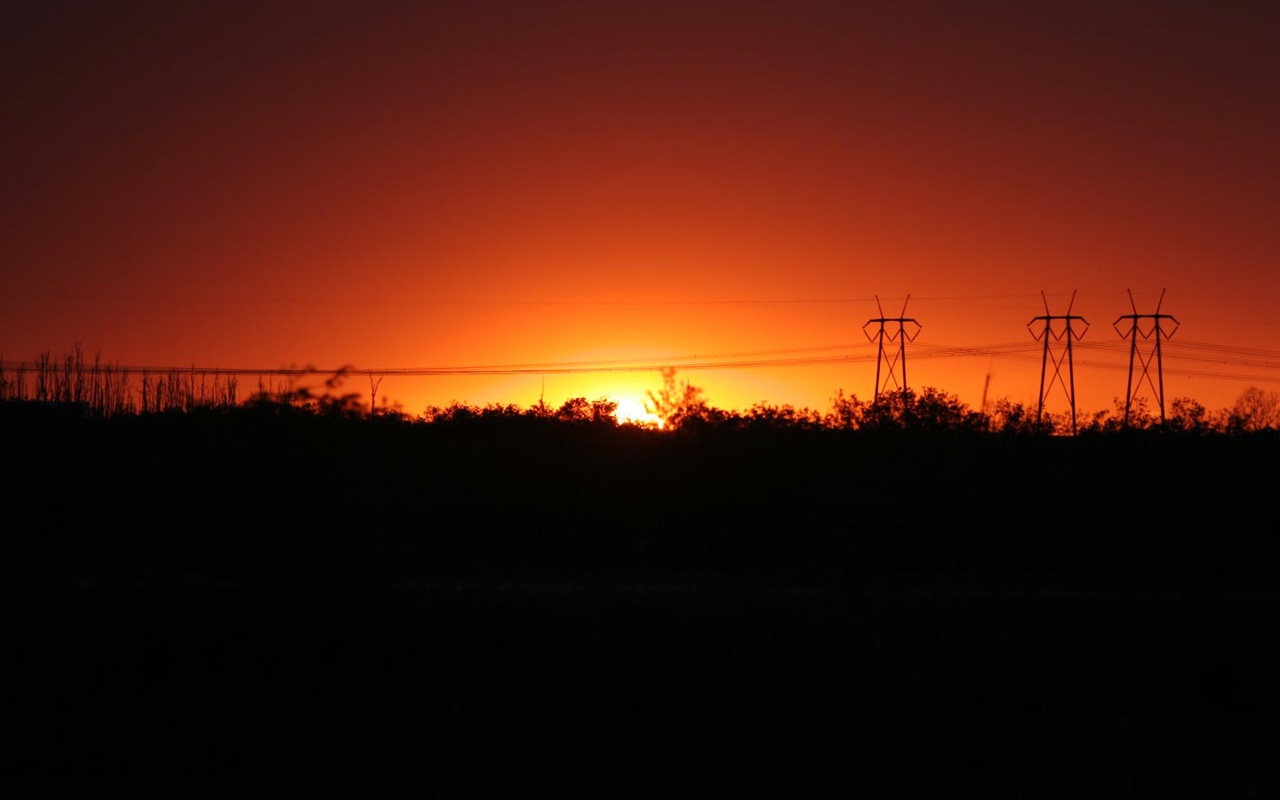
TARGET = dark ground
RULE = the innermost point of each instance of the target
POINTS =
(303, 607)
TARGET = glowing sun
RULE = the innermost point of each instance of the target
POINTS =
(632, 410)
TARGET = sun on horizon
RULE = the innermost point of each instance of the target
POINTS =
(632, 410)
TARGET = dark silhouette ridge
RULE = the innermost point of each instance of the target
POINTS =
(294, 595)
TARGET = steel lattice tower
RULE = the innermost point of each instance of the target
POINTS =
(891, 361)
(1066, 335)
(1155, 334)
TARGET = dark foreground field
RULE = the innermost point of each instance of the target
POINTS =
(254, 605)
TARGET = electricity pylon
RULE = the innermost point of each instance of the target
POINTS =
(1144, 358)
(891, 361)
(1066, 335)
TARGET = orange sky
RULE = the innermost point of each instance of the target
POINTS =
(386, 186)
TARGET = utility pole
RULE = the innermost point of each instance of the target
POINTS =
(1155, 334)
(892, 361)
(1066, 335)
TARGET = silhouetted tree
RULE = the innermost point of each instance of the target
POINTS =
(764, 415)
(1110, 421)
(930, 410)
(604, 411)
(575, 409)
(678, 402)
(846, 412)
(1188, 416)
(1009, 417)
(1257, 409)
(455, 412)
(579, 409)
(327, 403)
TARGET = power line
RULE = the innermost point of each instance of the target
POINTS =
(1229, 355)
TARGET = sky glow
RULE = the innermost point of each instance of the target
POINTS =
(393, 185)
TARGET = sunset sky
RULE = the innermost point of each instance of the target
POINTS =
(266, 184)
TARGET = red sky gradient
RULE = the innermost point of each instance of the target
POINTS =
(400, 185)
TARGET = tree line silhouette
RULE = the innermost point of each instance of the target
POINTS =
(208, 587)
(74, 384)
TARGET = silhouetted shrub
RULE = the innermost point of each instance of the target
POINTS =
(1008, 417)
(930, 410)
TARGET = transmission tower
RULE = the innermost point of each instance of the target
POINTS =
(1154, 334)
(1064, 335)
(885, 356)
